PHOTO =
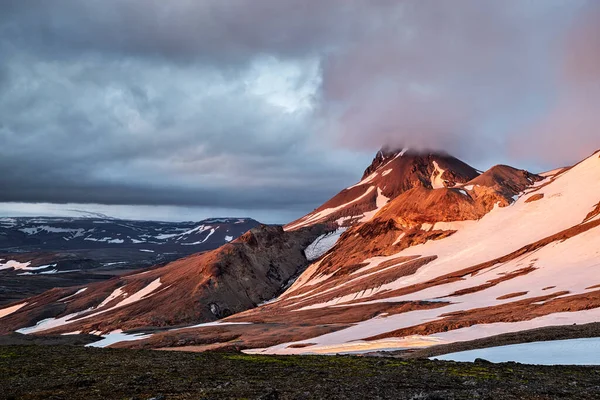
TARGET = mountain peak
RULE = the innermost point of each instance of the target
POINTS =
(384, 155)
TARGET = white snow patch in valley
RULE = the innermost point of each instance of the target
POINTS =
(387, 172)
(51, 229)
(117, 241)
(323, 244)
(14, 265)
(147, 251)
(228, 238)
(555, 352)
(310, 218)
(116, 337)
(9, 310)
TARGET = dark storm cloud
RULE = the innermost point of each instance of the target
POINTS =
(260, 104)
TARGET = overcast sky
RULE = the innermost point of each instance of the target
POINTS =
(185, 109)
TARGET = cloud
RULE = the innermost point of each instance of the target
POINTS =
(570, 129)
(276, 105)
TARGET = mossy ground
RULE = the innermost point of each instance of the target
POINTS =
(69, 372)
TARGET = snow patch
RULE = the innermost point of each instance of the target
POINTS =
(436, 177)
(116, 337)
(9, 310)
(323, 244)
(555, 352)
(74, 294)
(14, 264)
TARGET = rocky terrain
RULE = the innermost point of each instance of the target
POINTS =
(68, 372)
(203, 287)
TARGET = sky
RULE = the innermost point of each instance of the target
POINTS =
(188, 109)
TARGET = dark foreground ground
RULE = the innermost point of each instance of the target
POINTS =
(69, 372)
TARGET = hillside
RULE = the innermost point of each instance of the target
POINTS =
(447, 259)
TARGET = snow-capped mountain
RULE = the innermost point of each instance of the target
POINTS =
(391, 173)
(450, 255)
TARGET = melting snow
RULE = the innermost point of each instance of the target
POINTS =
(74, 294)
(50, 323)
(14, 265)
(436, 177)
(116, 337)
(323, 244)
(228, 238)
(556, 352)
(9, 310)
(50, 229)
(328, 211)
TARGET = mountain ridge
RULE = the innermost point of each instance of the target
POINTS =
(490, 252)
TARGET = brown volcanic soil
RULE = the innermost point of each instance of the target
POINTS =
(60, 372)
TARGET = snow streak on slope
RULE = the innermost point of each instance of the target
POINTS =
(51, 323)
(323, 244)
(9, 310)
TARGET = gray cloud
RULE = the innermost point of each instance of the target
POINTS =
(275, 105)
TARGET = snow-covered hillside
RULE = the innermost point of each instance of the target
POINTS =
(445, 259)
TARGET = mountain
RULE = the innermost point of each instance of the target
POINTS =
(452, 255)
(391, 173)
(40, 253)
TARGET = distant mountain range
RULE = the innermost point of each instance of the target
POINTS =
(424, 250)
(40, 253)
(40, 234)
